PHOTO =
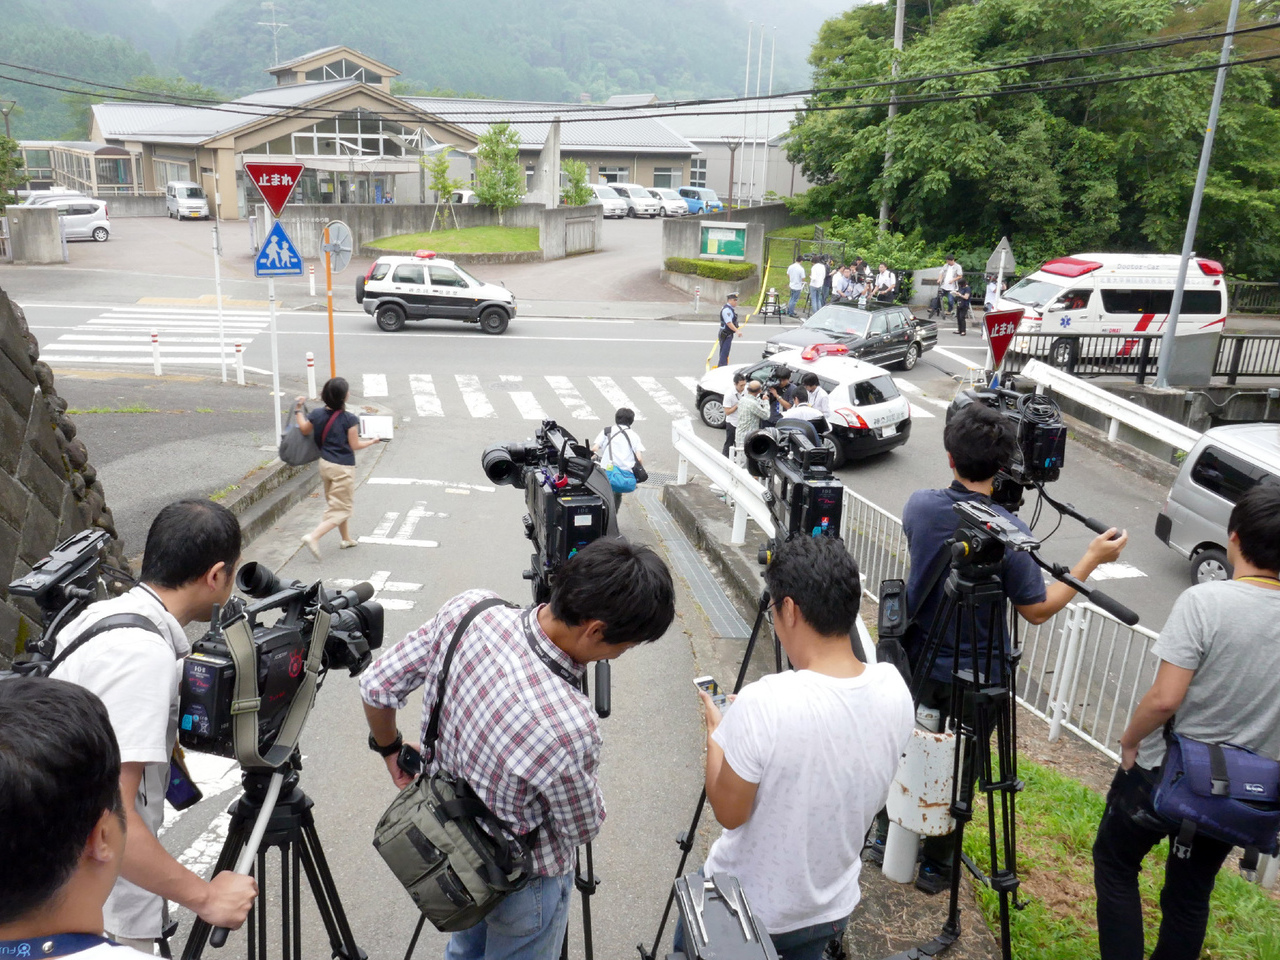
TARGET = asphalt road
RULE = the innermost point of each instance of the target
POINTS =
(433, 526)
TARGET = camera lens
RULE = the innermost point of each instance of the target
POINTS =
(499, 462)
(257, 580)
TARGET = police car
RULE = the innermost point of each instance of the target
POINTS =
(868, 414)
(425, 287)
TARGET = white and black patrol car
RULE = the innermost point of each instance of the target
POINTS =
(425, 287)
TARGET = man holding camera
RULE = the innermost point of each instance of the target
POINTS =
(801, 761)
(979, 442)
(1219, 655)
(782, 395)
(516, 725)
(188, 567)
(62, 822)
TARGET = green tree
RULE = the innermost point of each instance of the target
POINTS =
(577, 192)
(442, 185)
(11, 175)
(499, 179)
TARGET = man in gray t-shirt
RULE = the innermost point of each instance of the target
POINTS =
(1219, 657)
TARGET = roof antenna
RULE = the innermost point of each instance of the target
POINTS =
(275, 31)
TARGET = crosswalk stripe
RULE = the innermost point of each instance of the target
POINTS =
(920, 412)
(906, 386)
(689, 383)
(424, 395)
(666, 401)
(528, 406)
(135, 339)
(102, 324)
(375, 384)
(473, 395)
(142, 350)
(613, 393)
(571, 398)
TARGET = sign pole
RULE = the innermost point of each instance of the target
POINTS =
(328, 289)
(275, 356)
(991, 363)
(217, 286)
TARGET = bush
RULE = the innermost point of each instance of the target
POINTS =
(711, 269)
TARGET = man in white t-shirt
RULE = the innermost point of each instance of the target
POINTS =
(949, 281)
(619, 445)
(886, 284)
(817, 282)
(795, 279)
(801, 761)
(188, 565)
(815, 396)
(62, 823)
(731, 401)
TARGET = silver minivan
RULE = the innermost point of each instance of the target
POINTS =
(84, 218)
(184, 200)
(639, 202)
(1225, 464)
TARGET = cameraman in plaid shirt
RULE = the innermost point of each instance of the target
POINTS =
(517, 726)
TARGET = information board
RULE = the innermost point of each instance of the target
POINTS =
(723, 241)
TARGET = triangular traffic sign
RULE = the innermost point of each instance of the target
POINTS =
(275, 181)
(278, 256)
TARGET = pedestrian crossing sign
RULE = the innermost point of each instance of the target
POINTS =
(278, 256)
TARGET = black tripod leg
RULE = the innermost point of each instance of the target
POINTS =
(685, 840)
(325, 892)
(237, 835)
(413, 941)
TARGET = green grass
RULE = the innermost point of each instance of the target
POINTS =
(204, 409)
(1057, 820)
(777, 274)
(469, 240)
(224, 492)
(135, 408)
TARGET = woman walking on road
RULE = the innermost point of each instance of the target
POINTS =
(337, 433)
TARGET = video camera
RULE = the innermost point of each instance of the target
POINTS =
(803, 495)
(352, 625)
(569, 498)
(1041, 437)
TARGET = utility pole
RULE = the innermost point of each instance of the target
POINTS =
(755, 127)
(6, 108)
(899, 14)
(768, 121)
(733, 148)
(1167, 343)
(746, 92)
(276, 27)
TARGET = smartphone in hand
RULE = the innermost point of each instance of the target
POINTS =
(711, 688)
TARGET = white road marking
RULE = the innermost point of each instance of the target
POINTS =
(473, 395)
(578, 408)
(381, 584)
(920, 412)
(385, 524)
(1119, 570)
(203, 854)
(396, 542)
(419, 482)
(528, 405)
(613, 393)
(906, 386)
(424, 395)
(403, 536)
(375, 384)
(689, 383)
(658, 393)
(89, 358)
(956, 357)
(140, 340)
(141, 347)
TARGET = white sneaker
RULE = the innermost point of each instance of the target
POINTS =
(312, 546)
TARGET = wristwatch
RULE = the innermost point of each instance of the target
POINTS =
(392, 747)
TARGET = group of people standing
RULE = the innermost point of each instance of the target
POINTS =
(829, 283)
(751, 404)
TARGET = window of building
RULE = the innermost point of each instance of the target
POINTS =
(529, 171)
(167, 170)
(344, 69)
(614, 174)
(668, 177)
(698, 172)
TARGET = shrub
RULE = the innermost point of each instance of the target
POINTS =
(711, 269)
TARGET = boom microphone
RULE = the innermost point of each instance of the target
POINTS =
(353, 597)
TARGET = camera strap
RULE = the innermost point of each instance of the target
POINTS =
(119, 621)
(245, 698)
(559, 669)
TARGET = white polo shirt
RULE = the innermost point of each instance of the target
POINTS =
(615, 449)
(136, 675)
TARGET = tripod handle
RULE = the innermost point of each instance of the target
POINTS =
(1114, 607)
(219, 937)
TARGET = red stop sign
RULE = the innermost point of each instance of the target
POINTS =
(275, 181)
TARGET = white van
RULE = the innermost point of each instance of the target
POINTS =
(639, 202)
(1109, 293)
(184, 200)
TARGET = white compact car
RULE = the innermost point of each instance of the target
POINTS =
(637, 199)
(868, 414)
(607, 197)
(670, 203)
(425, 287)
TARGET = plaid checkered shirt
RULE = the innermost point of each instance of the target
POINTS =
(526, 741)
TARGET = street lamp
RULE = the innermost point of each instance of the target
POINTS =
(733, 146)
(6, 108)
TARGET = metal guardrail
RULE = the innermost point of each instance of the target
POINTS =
(1254, 355)
(1136, 354)
(1250, 296)
(875, 538)
(745, 490)
(6, 252)
(1118, 409)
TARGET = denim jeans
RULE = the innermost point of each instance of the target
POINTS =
(1128, 830)
(815, 298)
(791, 304)
(528, 925)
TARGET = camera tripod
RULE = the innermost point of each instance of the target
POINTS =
(291, 827)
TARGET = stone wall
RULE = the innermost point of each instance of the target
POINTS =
(124, 205)
(48, 488)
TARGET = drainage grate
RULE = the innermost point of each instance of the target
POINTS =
(659, 479)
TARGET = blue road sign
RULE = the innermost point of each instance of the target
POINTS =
(278, 256)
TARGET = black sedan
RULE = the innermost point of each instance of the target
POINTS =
(879, 335)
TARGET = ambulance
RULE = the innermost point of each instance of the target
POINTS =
(1104, 294)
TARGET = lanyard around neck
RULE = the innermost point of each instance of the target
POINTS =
(1274, 580)
(59, 945)
(559, 669)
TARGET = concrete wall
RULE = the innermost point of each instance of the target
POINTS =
(773, 216)
(682, 237)
(714, 292)
(136, 206)
(33, 234)
(48, 488)
(565, 231)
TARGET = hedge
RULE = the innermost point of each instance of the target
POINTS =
(711, 269)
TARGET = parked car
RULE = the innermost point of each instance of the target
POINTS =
(868, 414)
(670, 203)
(53, 195)
(639, 203)
(464, 196)
(84, 218)
(1225, 464)
(879, 335)
(184, 200)
(425, 287)
(701, 199)
(606, 196)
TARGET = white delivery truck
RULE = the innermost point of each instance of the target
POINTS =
(1105, 294)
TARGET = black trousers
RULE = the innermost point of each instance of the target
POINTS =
(730, 435)
(1126, 834)
(962, 314)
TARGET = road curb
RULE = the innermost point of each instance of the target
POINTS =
(1145, 465)
(696, 510)
(269, 494)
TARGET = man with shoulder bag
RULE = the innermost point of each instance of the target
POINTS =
(619, 448)
(506, 719)
(1198, 760)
